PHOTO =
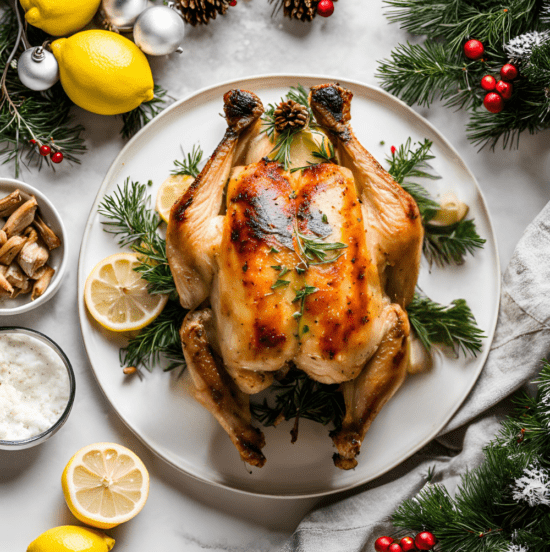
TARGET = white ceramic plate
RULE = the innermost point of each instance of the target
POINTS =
(159, 409)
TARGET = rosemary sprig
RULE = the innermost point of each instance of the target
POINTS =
(190, 164)
(452, 325)
(137, 118)
(442, 245)
(297, 396)
(314, 250)
(158, 339)
(301, 295)
(135, 224)
(324, 154)
(281, 150)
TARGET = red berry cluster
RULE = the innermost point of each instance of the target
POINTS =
(497, 91)
(55, 155)
(423, 541)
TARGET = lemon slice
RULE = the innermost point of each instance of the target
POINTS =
(117, 296)
(105, 484)
(170, 191)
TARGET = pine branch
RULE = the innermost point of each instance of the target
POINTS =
(158, 340)
(453, 325)
(135, 120)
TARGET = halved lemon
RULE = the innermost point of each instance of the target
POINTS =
(117, 296)
(170, 191)
(105, 484)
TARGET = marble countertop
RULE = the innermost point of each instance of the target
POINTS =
(181, 513)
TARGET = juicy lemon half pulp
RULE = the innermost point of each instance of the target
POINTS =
(117, 297)
(70, 538)
(169, 192)
(105, 484)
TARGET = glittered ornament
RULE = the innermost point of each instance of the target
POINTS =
(394, 547)
(159, 31)
(508, 72)
(325, 8)
(493, 102)
(488, 82)
(122, 14)
(45, 150)
(407, 543)
(504, 89)
(37, 68)
(474, 49)
(382, 544)
(425, 540)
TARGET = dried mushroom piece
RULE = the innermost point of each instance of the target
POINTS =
(11, 249)
(10, 203)
(42, 283)
(21, 218)
(16, 277)
(3, 237)
(6, 289)
(33, 256)
(46, 233)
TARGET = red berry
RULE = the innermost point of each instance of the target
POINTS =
(33, 141)
(233, 3)
(488, 82)
(509, 72)
(393, 149)
(56, 157)
(424, 541)
(493, 102)
(474, 49)
(395, 548)
(45, 150)
(407, 543)
(505, 89)
(325, 8)
(382, 544)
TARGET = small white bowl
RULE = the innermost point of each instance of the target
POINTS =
(58, 257)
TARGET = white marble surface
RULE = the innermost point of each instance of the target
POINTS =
(183, 514)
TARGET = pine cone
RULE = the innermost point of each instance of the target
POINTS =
(304, 10)
(198, 12)
(290, 115)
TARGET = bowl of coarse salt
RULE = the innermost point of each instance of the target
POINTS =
(37, 388)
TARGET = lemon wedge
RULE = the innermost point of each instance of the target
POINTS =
(117, 297)
(170, 191)
(71, 538)
(105, 484)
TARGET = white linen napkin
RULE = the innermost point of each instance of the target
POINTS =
(352, 521)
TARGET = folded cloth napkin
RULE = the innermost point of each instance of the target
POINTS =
(352, 521)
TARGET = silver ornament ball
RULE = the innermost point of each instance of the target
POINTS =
(159, 31)
(122, 14)
(37, 68)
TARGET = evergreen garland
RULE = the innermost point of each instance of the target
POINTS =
(516, 31)
(504, 504)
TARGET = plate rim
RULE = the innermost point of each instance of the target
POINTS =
(114, 167)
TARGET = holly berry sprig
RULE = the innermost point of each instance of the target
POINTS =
(498, 91)
(44, 150)
(422, 541)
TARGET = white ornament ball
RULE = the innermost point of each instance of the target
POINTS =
(159, 31)
(123, 13)
(37, 68)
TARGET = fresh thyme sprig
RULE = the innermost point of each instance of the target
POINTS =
(160, 339)
(190, 164)
(314, 250)
(137, 118)
(297, 396)
(452, 325)
(135, 224)
(442, 245)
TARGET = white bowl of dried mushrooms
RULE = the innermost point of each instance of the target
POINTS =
(33, 249)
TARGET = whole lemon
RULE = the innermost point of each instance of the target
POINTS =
(60, 17)
(70, 538)
(103, 72)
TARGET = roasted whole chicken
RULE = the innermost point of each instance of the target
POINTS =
(310, 268)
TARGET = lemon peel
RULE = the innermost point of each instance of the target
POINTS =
(59, 17)
(103, 72)
(71, 538)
